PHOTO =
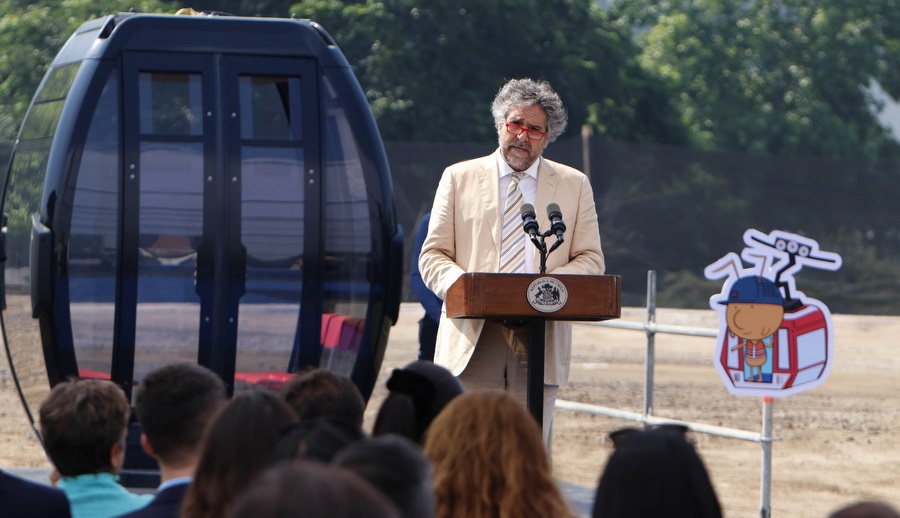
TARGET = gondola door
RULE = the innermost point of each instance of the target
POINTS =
(218, 163)
(273, 247)
(169, 156)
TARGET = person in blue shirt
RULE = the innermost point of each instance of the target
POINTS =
(428, 325)
(83, 427)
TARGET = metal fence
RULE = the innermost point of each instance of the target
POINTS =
(651, 328)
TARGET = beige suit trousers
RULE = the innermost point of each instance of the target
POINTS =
(500, 362)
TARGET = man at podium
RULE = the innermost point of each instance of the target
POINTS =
(476, 226)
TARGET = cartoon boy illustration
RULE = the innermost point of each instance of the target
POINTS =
(755, 311)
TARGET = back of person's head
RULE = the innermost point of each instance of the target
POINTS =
(174, 403)
(397, 467)
(866, 509)
(312, 490)
(652, 473)
(416, 395)
(319, 439)
(236, 448)
(489, 459)
(322, 393)
(82, 420)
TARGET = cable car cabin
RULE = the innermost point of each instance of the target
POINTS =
(210, 189)
(798, 355)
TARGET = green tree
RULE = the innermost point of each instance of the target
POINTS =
(430, 69)
(31, 35)
(774, 76)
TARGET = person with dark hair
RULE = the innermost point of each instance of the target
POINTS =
(26, 499)
(866, 509)
(428, 324)
(397, 467)
(83, 426)
(489, 460)
(476, 226)
(319, 392)
(318, 439)
(174, 403)
(236, 448)
(312, 490)
(416, 394)
(652, 473)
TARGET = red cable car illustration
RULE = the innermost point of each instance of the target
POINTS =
(773, 341)
(799, 353)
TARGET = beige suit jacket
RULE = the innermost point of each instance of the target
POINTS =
(464, 236)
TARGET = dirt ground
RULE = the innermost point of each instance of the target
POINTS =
(835, 443)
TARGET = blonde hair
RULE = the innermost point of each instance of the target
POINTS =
(489, 460)
(189, 11)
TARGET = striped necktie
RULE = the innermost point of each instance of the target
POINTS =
(512, 257)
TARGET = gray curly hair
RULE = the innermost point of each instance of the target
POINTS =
(527, 92)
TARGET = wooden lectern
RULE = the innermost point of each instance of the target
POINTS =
(535, 298)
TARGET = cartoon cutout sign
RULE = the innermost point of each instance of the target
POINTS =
(773, 340)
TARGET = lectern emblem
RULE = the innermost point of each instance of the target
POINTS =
(547, 294)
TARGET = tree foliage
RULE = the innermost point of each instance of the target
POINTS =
(430, 69)
(32, 33)
(774, 76)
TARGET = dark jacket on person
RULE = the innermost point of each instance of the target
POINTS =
(166, 504)
(23, 498)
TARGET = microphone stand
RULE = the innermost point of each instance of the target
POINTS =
(538, 240)
(534, 393)
(542, 248)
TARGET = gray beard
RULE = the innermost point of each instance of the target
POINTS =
(517, 166)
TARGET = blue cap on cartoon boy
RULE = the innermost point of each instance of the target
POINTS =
(754, 290)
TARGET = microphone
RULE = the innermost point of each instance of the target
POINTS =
(529, 224)
(557, 226)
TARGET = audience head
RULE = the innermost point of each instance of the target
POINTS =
(397, 467)
(654, 473)
(173, 404)
(318, 439)
(866, 509)
(319, 392)
(83, 424)
(417, 393)
(236, 448)
(489, 460)
(313, 490)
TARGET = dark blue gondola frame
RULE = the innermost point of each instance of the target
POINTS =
(98, 47)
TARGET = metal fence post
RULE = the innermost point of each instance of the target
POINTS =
(765, 483)
(651, 343)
